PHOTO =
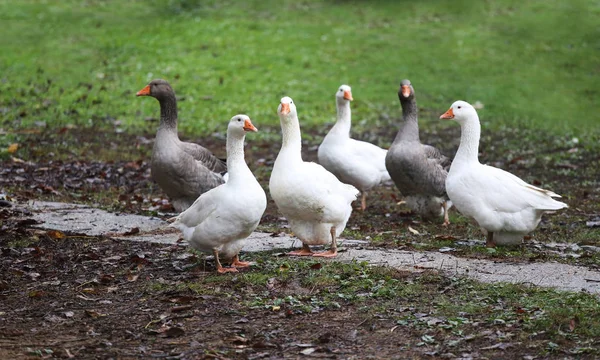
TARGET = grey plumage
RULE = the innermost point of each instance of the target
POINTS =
(183, 170)
(419, 171)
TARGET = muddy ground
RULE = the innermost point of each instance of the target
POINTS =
(74, 296)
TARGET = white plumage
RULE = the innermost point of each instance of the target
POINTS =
(220, 220)
(354, 162)
(316, 204)
(503, 205)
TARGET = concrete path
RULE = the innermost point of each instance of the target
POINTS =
(90, 221)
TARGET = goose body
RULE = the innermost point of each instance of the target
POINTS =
(221, 219)
(183, 170)
(418, 170)
(504, 206)
(315, 203)
(354, 162)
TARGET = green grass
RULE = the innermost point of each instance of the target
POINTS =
(533, 63)
(451, 309)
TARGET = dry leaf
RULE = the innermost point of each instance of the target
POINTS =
(12, 148)
(133, 231)
(174, 332)
(93, 314)
(316, 266)
(55, 234)
(413, 231)
(132, 277)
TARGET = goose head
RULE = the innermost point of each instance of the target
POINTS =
(286, 109)
(344, 94)
(158, 89)
(406, 90)
(460, 111)
(240, 124)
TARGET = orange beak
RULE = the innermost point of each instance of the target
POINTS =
(405, 91)
(248, 126)
(448, 114)
(144, 92)
(285, 108)
(348, 95)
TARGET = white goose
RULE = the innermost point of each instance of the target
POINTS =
(354, 162)
(504, 206)
(220, 220)
(316, 204)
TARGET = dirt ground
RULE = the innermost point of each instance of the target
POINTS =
(93, 297)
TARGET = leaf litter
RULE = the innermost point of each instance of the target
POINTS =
(112, 298)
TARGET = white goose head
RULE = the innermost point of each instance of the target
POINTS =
(460, 111)
(240, 124)
(286, 109)
(344, 94)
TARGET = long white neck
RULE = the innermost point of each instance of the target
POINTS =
(236, 164)
(344, 116)
(468, 150)
(292, 140)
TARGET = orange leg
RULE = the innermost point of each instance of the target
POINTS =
(220, 268)
(235, 262)
(446, 219)
(363, 201)
(305, 251)
(490, 240)
(333, 250)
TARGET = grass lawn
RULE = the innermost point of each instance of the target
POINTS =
(533, 63)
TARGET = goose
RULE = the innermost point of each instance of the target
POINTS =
(221, 219)
(354, 162)
(504, 206)
(316, 204)
(183, 170)
(418, 170)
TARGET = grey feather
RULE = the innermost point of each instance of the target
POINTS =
(418, 170)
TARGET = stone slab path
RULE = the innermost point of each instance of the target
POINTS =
(91, 221)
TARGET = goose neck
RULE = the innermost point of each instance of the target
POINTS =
(168, 112)
(236, 164)
(470, 132)
(343, 121)
(292, 139)
(409, 129)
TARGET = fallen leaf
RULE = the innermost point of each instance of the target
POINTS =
(308, 351)
(36, 294)
(12, 148)
(132, 277)
(182, 299)
(284, 267)
(316, 266)
(413, 231)
(133, 231)
(174, 332)
(93, 314)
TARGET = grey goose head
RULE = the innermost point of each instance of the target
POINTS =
(158, 89)
(406, 91)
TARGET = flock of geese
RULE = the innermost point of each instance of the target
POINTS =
(221, 203)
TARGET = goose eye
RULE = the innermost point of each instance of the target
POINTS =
(239, 119)
(291, 102)
(459, 107)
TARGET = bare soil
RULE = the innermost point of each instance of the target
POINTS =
(74, 296)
